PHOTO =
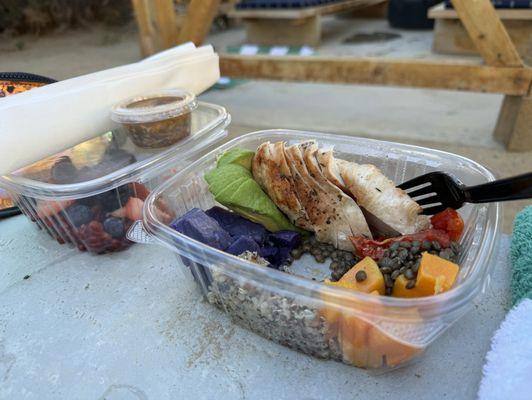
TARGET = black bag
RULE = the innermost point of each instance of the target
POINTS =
(410, 14)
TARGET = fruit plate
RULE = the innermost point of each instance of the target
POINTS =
(374, 332)
(90, 194)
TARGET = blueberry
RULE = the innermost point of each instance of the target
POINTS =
(114, 227)
(111, 200)
(79, 214)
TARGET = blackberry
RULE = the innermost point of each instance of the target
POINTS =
(114, 227)
(78, 214)
(110, 200)
(63, 171)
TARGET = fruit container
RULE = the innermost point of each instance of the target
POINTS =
(368, 331)
(90, 194)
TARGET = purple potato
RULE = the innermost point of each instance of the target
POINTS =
(285, 239)
(237, 225)
(268, 252)
(242, 244)
(281, 258)
(199, 226)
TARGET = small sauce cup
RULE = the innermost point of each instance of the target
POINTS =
(157, 120)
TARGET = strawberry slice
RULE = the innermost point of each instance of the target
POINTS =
(134, 208)
(46, 209)
(139, 190)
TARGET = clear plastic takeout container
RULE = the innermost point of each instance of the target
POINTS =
(328, 322)
(90, 194)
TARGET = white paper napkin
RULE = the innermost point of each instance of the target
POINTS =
(46, 120)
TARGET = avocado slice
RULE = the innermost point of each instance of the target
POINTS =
(220, 178)
(238, 156)
(233, 186)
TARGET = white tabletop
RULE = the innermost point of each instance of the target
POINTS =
(128, 326)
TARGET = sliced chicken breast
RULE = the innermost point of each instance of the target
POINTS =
(378, 194)
(330, 168)
(273, 174)
(348, 209)
(315, 201)
(322, 201)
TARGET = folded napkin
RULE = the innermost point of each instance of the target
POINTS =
(507, 373)
(52, 118)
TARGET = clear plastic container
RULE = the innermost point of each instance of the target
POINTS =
(90, 194)
(327, 322)
(157, 120)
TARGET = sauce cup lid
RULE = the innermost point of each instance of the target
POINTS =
(154, 107)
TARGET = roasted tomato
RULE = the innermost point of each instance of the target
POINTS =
(449, 221)
(371, 248)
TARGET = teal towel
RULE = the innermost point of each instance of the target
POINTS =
(521, 256)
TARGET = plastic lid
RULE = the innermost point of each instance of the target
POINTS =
(159, 106)
(112, 159)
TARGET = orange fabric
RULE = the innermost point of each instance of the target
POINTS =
(8, 88)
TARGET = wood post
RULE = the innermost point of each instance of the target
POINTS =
(198, 21)
(497, 49)
(157, 23)
(514, 124)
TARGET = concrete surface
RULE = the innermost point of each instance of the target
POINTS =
(128, 326)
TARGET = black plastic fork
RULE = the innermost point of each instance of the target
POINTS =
(436, 191)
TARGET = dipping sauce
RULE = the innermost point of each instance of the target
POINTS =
(158, 120)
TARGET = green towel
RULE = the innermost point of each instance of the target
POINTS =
(521, 256)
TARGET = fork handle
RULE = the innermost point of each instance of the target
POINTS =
(515, 188)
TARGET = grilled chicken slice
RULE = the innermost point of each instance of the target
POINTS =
(273, 174)
(316, 202)
(349, 211)
(330, 168)
(378, 194)
(328, 209)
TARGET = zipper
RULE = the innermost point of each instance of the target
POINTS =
(25, 77)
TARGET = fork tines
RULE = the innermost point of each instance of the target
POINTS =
(432, 191)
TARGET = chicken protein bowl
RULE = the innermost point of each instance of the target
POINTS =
(299, 285)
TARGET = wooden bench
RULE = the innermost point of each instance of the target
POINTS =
(292, 26)
(450, 36)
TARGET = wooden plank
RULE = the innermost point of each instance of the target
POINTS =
(440, 12)
(157, 25)
(514, 124)
(450, 37)
(487, 32)
(198, 21)
(393, 72)
(521, 137)
(379, 10)
(306, 12)
(146, 38)
(297, 32)
(165, 22)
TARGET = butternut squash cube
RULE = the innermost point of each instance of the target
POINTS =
(435, 274)
(374, 278)
(365, 345)
(400, 290)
